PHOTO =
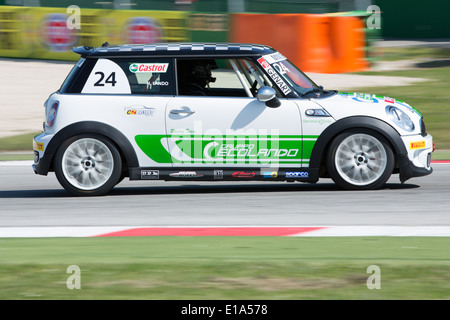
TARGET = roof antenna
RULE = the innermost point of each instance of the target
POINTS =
(105, 45)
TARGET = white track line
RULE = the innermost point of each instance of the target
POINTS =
(329, 231)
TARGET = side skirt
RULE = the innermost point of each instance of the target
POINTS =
(310, 175)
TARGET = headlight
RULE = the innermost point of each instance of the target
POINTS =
(400, 118)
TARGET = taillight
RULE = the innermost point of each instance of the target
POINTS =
(52, 114)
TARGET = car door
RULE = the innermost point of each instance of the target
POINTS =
(229, 127)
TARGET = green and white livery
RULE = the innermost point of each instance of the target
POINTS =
(219, 112)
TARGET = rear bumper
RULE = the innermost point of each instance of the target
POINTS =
(42, 160)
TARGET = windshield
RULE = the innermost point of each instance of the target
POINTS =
(288, 72)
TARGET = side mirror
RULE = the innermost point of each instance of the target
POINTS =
(268, 96)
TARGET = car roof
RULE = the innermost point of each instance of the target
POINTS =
(175, 49)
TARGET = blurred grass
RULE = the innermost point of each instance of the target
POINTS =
(170, 268)
(20, 142)
(407, 53)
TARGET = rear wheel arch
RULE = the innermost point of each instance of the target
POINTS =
(123, 145)
(88, 164)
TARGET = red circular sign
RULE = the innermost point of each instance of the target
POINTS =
(143, 30)
(56, 35)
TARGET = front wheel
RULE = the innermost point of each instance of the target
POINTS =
(360, 160)
(88, 165)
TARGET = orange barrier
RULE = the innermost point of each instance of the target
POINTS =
(347, 40)
(314, 42)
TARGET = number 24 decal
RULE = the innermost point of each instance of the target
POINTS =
(111, 79)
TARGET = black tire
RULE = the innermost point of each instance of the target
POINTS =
(88, 165)
(360, 160)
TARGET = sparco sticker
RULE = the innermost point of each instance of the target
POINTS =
(297, 174)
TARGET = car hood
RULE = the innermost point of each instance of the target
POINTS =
(347, 104)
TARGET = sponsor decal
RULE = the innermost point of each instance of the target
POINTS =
(389, 100)
(160, 83)
(243, 174)
(321, 121)
(185, 174)
(270, 174)
(140, 111)
(360, 97)
(218, 174)
(263, 63)
(181, 131)
(364, 97)
(184, 146)
(149, 67)
(297, 174)
(278, 80)
(149, 174)
(417, 145)
(274, 57)
(275, 77)
(38, 146)
(250, 150)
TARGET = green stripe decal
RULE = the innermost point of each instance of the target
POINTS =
(208, 149)
(151, 145)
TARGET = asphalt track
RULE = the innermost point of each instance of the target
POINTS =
(29, 200)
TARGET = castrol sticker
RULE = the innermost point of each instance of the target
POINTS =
(149, 67)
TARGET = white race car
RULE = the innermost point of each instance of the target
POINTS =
(219, 112)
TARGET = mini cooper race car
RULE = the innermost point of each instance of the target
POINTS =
(219, 112)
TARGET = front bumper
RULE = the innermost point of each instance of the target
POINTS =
(417, 161)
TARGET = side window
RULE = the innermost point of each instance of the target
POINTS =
(152, 76)
(219, 77)
(106, 77)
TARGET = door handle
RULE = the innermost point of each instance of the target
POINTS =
(179, 111)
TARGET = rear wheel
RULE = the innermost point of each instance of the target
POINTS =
(360, 160)
(88, 165)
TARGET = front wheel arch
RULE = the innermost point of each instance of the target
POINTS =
(320, 149)
(360, 159)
